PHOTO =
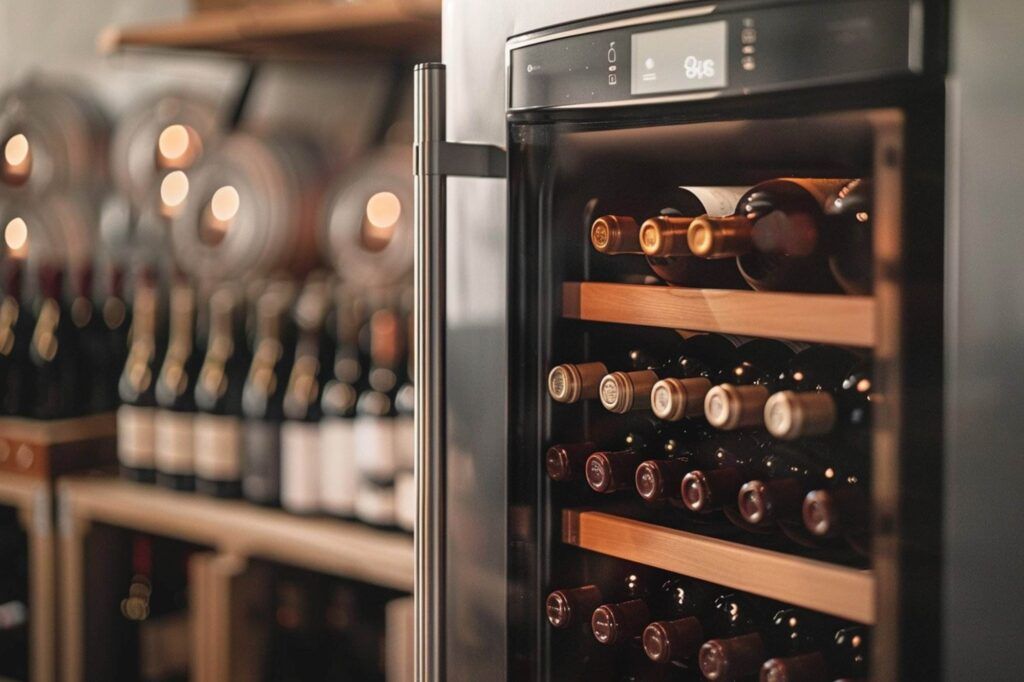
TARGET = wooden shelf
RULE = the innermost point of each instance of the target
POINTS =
(818, 318)
(294, 30)
(31, 497)
(838, 590)
(239, 528)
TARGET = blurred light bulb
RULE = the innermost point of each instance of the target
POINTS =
(16, 150)
(174, 189)
(383, 210)
(174, 141)
(16, 235)
(225, 203)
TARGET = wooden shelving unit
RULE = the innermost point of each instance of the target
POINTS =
(301, 29)
(31, 497)
(234, 531)
(818, 318)
(838, 590)
(47, 448)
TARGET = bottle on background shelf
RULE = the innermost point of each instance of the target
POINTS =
(300, 432)
(778, 235)
(175, 392)
(218, 397)
(116, 316)
(53, 353)
(263, 394)
(376, 418)
(16, 325)
(405, 437)
(96, 367)
(136, 417)
(339, 473)
(662, 238)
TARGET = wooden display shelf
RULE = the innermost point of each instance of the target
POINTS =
(818, 318)
(837, 590)
(47, 448)
(301, 29)
(238, 528)
(32, 498)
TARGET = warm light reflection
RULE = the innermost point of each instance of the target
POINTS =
(383, 210)
(225, 203)
(173, 142)
(16, 150)
(16, 236)
(174, 189)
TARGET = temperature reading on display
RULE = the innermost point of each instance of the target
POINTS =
(679, 59)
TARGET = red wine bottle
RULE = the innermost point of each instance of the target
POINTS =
(776, 235)
(16, 325)
(849, 239)
(136, 417)
(734, 459)
(53, 353)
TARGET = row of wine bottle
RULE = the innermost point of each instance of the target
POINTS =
(786, 234)
(61, 349)
(792, 390)
(299, 402)
(683, 625)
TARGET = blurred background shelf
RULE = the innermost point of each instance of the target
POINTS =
(238, 528)
(32, 498)
(837, 590)
(300, 29)
(818, 318)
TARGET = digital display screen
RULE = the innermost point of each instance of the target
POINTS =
(680, 59)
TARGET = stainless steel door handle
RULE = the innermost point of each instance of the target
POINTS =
(434, 158)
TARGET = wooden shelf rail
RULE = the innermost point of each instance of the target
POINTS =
(239, 528)
(297, 29)
(837, 590)
(817, 318)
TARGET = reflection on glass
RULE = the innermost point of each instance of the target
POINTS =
(383, 210)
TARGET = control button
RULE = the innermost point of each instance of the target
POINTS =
(749, 49)
(749, 64)
(748, 36)
(612, 79)
(611, 55)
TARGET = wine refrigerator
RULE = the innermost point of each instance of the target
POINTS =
(690, 347)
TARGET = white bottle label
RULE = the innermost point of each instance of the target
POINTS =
(218, 447)
(300, 467)
(405, 500)
(339, 474)
(136, 436)
(375, 447)
(175, 442)
(718, 201)
(376, 504)
(405, 442)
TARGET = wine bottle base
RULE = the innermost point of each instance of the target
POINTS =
(137, 475)
(183, 482)
(225, 489)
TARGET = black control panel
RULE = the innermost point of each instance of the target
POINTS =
(698, 51)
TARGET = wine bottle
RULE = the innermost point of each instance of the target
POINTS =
(732, 462)
(175, 393)
(788, 472)
(838, 409)
(300, 432)
(736, 649)
(775, 235)
(682, 449)
(843, 654)
(136, 429)
(849, 238)
(405, 437)
(339, 474)
(54, 358)
(678, 631)
(16, 325)
(738, 401)
(218, 398)
(686, 378)
(375, 421)
(842, 510)
(662, 239)
(610, 471)
(116, 316)
(96, 368)
(571, 383)
(263, 394)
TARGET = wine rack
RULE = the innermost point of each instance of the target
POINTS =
(31, 496)
(47, 448)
